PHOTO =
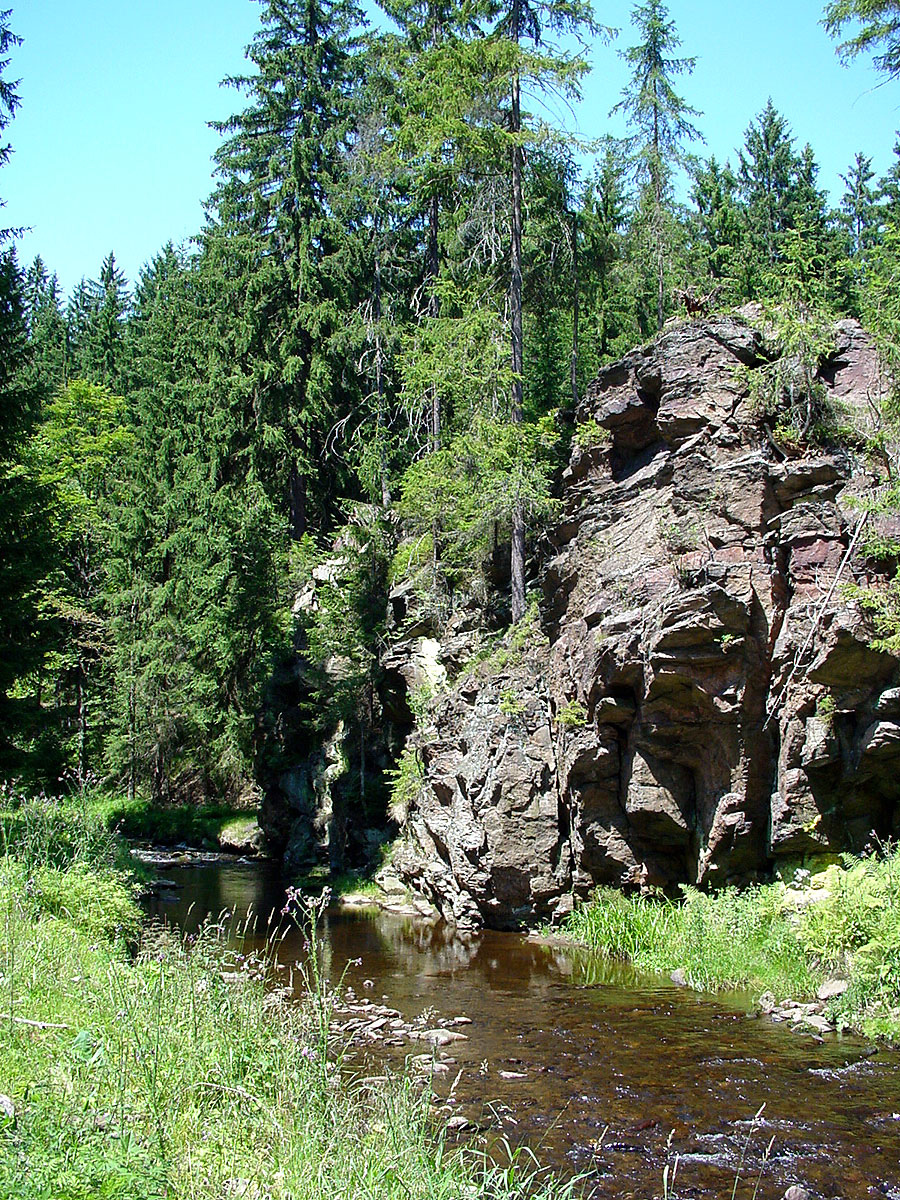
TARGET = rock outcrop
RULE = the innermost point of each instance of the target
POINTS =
(699, 701)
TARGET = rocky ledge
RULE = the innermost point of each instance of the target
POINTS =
(699, 702)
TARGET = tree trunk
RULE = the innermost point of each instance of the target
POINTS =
(573, 369)
(434, 309)
(517, 548)
(379, 389)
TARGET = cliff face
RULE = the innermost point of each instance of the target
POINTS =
(701, 701)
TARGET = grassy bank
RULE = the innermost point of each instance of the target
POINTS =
(205, 826)
(844, 923)
(135, 1065)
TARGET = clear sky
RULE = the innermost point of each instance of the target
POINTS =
(112, 147)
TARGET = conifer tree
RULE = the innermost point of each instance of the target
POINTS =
(603, 220)
(195, 565)
(521, 35)
(46, 327)
(719, 232)
(661, 122)
(434, 90)
(24, 535)
(878, 23)
(272, 238)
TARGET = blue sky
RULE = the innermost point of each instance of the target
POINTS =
(112, 148)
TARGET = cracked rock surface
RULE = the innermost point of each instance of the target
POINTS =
(702, 702)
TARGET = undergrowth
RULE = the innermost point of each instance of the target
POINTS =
(845, 923)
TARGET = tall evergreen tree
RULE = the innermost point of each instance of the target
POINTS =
(195, 564)
(603, 220)
(768, 174)
(273, 239)
(24, 533)
(718, 231)
(521, 34)
(46, 327)
(661, 122)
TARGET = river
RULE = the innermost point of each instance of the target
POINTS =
(599, 1070)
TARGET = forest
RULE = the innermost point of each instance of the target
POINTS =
(364, 367)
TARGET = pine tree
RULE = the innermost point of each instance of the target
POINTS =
(46, 328)
(662, 128)
(23, 517)
(434, 88)
(106, 363)
(195, 566)
(718, 232)
(602, 222)
(768, 174)
(858, 214)
(524, 55)
(279, 252)
(879, 29)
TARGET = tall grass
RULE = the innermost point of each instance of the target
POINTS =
(733, 939)
(769, 937)
(181, 1070)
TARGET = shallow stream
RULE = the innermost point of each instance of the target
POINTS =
(598, 1069)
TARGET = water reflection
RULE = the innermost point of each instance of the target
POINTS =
(596, 1065)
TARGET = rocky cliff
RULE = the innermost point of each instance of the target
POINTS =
(697, 700)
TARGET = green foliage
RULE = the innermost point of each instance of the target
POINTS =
(728, 939)
(660, 120)
(42, 831)
(470, 489)
(878, 24)
(846, 924)
(787, 391)
(511, 703)
(854, 930)
(591, 435)
(572, 715)
(406, 781)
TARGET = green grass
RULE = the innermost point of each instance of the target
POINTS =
(200, 826)
(173, 1070)
(98, 814)
(730, 940)
(769, 937)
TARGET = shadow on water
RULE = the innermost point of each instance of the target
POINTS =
(597, 1068)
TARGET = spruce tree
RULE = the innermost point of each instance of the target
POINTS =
(46, 328)
(660, 119)
(603, 219)
(195, 564)
(24, 531)
(280, 255)
(525, 55)
(878, 29)
(718, 234)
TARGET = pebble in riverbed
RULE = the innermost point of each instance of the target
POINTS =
(809, 1016)
(363, 1022)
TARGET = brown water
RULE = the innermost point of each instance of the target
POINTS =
(615, 1072)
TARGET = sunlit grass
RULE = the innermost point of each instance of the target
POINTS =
(183, 1070)
(769, 938)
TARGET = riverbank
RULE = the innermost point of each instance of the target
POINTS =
(137, 1064)
(831, 940)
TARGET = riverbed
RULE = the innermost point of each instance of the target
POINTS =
(599, 1070)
